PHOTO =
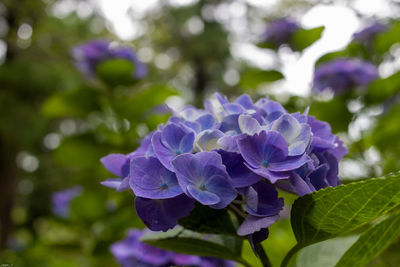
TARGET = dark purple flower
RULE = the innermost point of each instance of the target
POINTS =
(367, 35)
(171, 141)
(150, 179)
(266, 154)
(61, 201)
(341, 75)
(280, 31)
(163, 214)
(203, 177)
(89, 55)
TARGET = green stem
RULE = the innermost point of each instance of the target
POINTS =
(289, 255)
(262, 255)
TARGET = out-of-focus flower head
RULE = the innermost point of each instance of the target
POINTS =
(61, 201)
(341, 75)
(367, 35)
(89, 55)
(132, 252)
(280, 31)
(229, 151)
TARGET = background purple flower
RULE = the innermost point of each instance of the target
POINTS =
(61, 201)
(341, 75)
(89, 55)
(280, 31)
(367, 35)
(131, 252)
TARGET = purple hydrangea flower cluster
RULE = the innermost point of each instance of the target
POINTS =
(61, 201)
(229, 155)
(89, 55)
(367, 35)
(132, 252)
(280, 31)
(341, 75)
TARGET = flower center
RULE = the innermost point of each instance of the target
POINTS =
(177, 152)
(163, 186)
(202, 186)
(265, 163)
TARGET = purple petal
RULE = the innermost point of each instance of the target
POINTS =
(266, 173)
(301, 186)
(289, 164)
(208, 140)
(203, 196)
(221, 186)
(254, 224)
(161, 215)
(249, 125)
(150, 179)
(117, 164)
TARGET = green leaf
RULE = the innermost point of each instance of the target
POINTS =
(334, 112)
(371, 243)
(138, 105)
(116, 72)
(382, 89)
(206, 220)
(188, 242)
(303, 38)
(335, 211)
(71, 103)
(255, 77)
(326, 253)
(384, 41)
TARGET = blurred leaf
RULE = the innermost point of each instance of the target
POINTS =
(334, 211)
(71, 103)
(255, 77)
(334, 112)
(206, 220)
(88, 206)
(371, 243)
(384, 41)
(136, 106)
(266, 45)
(382, 89)
(116, 72)
(187, 242)
(79, 151)
(303, 38)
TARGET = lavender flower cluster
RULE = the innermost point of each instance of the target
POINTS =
(89, 55)
(229, 151)
(132, 252)
(341, 75)
(280, 31)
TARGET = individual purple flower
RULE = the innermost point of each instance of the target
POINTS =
(89, 55)
(341, 75)
(367, 34)
(266, 154)
(150, 179)
(61, 201)
(171, 141)
(203, 177)
(280, 31)
(163, 214)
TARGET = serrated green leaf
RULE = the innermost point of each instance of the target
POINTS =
(206, 220)
(255, 77)
(371, 243)
(335, 211)
(303, 38)
(189, 242)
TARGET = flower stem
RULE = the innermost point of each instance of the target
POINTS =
(262, 255)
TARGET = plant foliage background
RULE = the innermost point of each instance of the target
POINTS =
(56, 123)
